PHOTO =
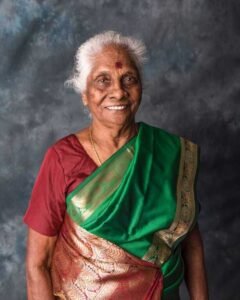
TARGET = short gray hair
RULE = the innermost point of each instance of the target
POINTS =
(87, 51)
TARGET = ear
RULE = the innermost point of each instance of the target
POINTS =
(84, 99)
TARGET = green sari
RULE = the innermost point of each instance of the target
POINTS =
(141, 201)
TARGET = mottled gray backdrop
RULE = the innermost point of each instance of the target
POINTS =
(191, 88)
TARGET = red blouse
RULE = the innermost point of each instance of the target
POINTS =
(66, 164)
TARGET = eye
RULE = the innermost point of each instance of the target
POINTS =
(129, 80)
(103, 80)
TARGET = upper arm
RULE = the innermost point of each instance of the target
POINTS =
(39, 250)
(193, 239)
(47, 206)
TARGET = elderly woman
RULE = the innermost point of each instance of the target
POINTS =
(112, 213)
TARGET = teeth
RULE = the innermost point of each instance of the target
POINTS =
(116, 107)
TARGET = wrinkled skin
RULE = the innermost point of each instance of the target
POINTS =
(114, 80)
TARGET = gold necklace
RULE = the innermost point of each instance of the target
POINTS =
(93, 143)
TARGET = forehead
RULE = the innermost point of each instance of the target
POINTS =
(113, 58)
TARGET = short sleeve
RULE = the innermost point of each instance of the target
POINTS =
(47, 207)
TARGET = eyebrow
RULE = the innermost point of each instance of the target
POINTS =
(131, 73)
(103, 73)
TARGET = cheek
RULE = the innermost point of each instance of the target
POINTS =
(137, 93)
(95, 96)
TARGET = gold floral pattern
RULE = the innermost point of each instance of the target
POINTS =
(85, 266)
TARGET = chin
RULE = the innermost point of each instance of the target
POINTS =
(118, 120)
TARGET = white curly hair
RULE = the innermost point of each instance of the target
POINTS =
(88, 50)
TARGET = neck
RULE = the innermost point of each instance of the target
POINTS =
(112, 137)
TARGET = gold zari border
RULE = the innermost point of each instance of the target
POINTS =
(165, 240)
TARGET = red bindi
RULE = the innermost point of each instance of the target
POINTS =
(118, 65)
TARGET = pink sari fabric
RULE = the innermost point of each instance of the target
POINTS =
(85, 266)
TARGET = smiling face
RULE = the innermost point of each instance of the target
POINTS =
(113, 92)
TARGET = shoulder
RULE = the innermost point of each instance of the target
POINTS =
(66, 141)
(69, 154)
(52, 151)
(167, 136)
(67, 145)
(62, 151)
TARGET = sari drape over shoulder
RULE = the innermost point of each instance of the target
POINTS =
(122, 232)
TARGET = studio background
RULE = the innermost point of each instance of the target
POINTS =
(191, 89)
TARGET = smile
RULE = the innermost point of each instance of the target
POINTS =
(116, 107)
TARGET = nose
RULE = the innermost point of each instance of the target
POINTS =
(118, 92)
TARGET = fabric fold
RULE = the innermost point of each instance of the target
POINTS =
(98, 269)
(140, 204)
